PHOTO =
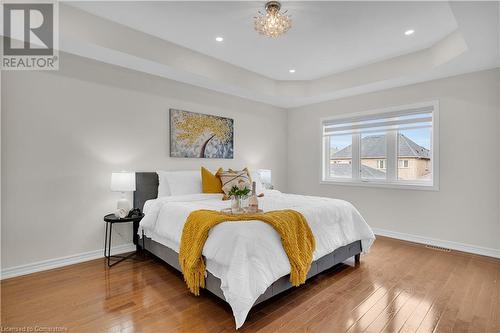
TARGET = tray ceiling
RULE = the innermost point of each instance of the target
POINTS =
(326, 37)
(337, 49)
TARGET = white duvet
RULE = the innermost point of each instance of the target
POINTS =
(248, 257)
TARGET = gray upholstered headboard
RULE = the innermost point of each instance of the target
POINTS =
(146, 188)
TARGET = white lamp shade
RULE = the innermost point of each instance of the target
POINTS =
(265, 176)
(123, 181)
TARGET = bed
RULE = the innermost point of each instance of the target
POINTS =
(246, 263)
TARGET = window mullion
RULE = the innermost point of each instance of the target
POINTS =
(392, 158)
(326, 157)
(356, 163)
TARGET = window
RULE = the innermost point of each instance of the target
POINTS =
(341, 165)
(403, 164)
(373, 156)
(396, 147)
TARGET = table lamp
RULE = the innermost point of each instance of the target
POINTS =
(123, 182)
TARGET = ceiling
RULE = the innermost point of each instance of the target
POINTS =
(338, 49)
(326, 37)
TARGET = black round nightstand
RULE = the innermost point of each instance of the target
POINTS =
(111, 219)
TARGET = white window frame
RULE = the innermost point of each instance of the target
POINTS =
(391, 159)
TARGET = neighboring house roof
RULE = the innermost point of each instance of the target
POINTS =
(374, 146)
(345, 170)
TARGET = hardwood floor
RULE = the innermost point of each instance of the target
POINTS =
(398, 287)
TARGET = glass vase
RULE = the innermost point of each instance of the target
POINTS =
(236, 204)
(244, 202)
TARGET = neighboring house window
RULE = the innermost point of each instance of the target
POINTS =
(393, 148)
(403, 164)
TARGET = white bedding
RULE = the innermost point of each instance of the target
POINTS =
(248, 257)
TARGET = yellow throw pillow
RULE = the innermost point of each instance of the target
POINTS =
(210, 183)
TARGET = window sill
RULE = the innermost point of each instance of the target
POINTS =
(374, 184)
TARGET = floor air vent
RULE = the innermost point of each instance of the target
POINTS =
(438, 248)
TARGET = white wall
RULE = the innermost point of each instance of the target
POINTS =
(466, 208)
(64, 132)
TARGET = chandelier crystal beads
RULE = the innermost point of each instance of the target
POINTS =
(272, 23)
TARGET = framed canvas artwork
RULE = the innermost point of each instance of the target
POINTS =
(200, 135)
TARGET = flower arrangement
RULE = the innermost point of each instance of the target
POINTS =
(238, 194)
(239, 191)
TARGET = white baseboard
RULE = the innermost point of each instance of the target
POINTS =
(91, 255)
(63, 261)
(484, 251)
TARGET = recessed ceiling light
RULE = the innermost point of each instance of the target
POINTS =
(219, 39)
(291, 71)
(409, 32)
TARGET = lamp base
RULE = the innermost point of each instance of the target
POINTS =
(124, 204)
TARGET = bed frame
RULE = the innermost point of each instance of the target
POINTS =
(147, 188)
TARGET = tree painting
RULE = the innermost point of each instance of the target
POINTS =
(200, 135)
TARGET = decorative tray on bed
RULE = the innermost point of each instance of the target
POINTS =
(229, 211)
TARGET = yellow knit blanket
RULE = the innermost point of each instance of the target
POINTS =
(296, 237)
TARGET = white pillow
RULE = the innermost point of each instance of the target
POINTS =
(259, 188)
(179, 182)
(163, 188)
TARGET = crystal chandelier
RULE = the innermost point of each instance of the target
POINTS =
(272, 23)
